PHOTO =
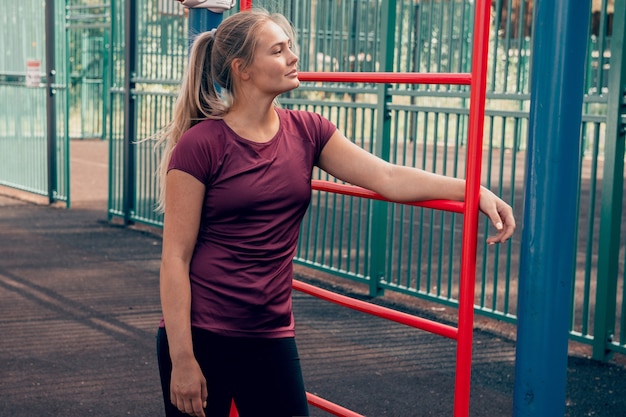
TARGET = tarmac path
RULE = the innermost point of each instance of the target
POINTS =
(79, 308)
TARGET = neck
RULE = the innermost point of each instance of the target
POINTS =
(255, 123)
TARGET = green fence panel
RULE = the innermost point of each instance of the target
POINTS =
(116, 112)
(161, 51)
(30, 159)
(88, 29)
(428, 129)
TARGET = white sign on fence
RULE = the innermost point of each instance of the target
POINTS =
(33, 73)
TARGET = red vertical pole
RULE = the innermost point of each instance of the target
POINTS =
(472, 197)
(245, 4)
(233, 410)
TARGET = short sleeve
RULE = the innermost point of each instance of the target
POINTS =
(315, 128)
(192, 154)
(326, 130)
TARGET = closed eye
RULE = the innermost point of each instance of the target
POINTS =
(281, 47)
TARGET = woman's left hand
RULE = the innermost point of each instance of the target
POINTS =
(500, 214)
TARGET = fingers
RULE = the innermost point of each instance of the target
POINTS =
(188, 388)
(504, 222)
(204, 394)
(192, 402)
(192, 406)
(501, 216)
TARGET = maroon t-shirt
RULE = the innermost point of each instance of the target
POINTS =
(256, 195)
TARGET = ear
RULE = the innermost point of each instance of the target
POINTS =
(239, 70)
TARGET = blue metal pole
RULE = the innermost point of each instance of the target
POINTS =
(548, 239)
(202, 20)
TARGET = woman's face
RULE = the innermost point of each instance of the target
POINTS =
(274, 67)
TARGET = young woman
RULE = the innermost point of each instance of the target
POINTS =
(236, 182)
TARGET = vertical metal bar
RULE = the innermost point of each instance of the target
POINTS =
(602, 45)
(521, 27)
(483, 278)
(106, 49)
(472, 195)
(202, 20)
(51, 102)
(63, 174)
(547, 262)
(130, 58)
(453, 215)
(612, 190)
(112, 121)
(622, 325)
(516, 146)
(496, 42)
(378, 215)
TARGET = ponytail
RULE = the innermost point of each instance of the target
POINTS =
(197, 100)
(210, 62)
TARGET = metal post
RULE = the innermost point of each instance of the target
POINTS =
(51, 103)
(476, 122)
(612, 191)
(130, 56)
(378, 214)
(548, 245)
(202, 20)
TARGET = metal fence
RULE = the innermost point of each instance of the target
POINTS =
(34, 148)
(417, 248)
(88, 29)
(149, 60)
(111, 70)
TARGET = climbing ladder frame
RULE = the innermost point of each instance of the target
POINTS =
(463, 332)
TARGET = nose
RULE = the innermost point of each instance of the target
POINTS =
(294, 57)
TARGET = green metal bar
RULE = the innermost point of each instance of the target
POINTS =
(496, 258)
(396, 220)
(521, 56)
(590, 230)
(62, 94)
(130, 120)
(116, 109)
(612, 191)
(622, 326)
(51, 103)
(379, 213)
(422, 211)
(483, 280)
(602, 45)
(454, 173)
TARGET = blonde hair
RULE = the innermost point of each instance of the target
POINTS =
(210, 64)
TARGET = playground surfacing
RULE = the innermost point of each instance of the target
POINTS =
(79, 308)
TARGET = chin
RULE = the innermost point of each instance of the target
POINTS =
(293, 86)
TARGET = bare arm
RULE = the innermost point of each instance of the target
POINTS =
(183, 208)
(348, 162)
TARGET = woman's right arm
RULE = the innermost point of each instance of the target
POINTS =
(184, 197)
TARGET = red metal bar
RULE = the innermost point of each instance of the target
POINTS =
(388, 77)
(245, 4)
(329, 407)
(386, 313)
(472, 196)
(464, 333)
(352, 190)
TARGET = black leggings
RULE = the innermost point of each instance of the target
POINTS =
(263, 376)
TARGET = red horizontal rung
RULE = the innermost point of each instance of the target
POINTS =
(456, 78)
(332, 408)
(376, 310)
(352, 190)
